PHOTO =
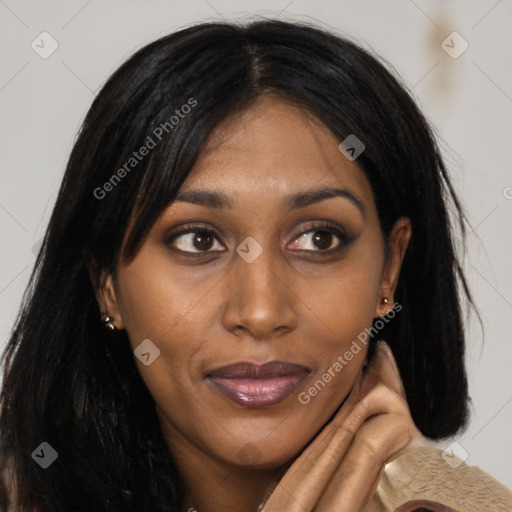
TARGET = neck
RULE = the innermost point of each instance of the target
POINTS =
(212, 484)
(238, 491)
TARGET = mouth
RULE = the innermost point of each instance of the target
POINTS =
(254, 386)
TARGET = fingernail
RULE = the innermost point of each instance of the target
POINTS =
(382, 345)
(386, 349)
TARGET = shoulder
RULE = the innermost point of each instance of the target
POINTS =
(435, 478)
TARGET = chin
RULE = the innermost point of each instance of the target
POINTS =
(263, 456)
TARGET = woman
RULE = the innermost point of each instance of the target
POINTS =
(246, 211)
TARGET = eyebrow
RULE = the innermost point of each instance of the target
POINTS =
(217, 199)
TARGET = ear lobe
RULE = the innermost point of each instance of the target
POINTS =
(104, 290)
(397, 246)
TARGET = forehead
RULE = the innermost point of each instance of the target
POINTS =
(274, 148)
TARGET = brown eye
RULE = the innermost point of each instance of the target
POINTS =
(321, 238)
(202, 240)
(193, 240)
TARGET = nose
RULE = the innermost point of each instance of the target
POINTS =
(261, 300)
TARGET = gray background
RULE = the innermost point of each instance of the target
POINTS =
(469, 100)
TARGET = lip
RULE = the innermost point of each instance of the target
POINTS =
(253, 385)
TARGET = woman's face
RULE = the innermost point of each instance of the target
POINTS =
(273, 282)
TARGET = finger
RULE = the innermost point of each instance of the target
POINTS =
(324, 437)
(350, 401)
(383, 369)
(303, 482)
(355, 480)
(381, 374)
(390, 377)
(384, 429)
(308, 476)
(301, 487)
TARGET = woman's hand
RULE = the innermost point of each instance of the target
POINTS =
(340, 470)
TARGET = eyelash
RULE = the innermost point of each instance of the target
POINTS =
(320, 226)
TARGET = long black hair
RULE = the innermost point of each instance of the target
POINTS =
(70, 382)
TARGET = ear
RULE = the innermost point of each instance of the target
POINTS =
(397, 245)
(106, 296)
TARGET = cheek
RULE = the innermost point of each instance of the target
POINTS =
(345, 304)
(153, 302)
(345, 301)
(156, 306)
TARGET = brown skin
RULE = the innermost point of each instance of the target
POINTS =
(292, 303)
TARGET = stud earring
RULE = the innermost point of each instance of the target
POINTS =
(107, 321)
(383, 302)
